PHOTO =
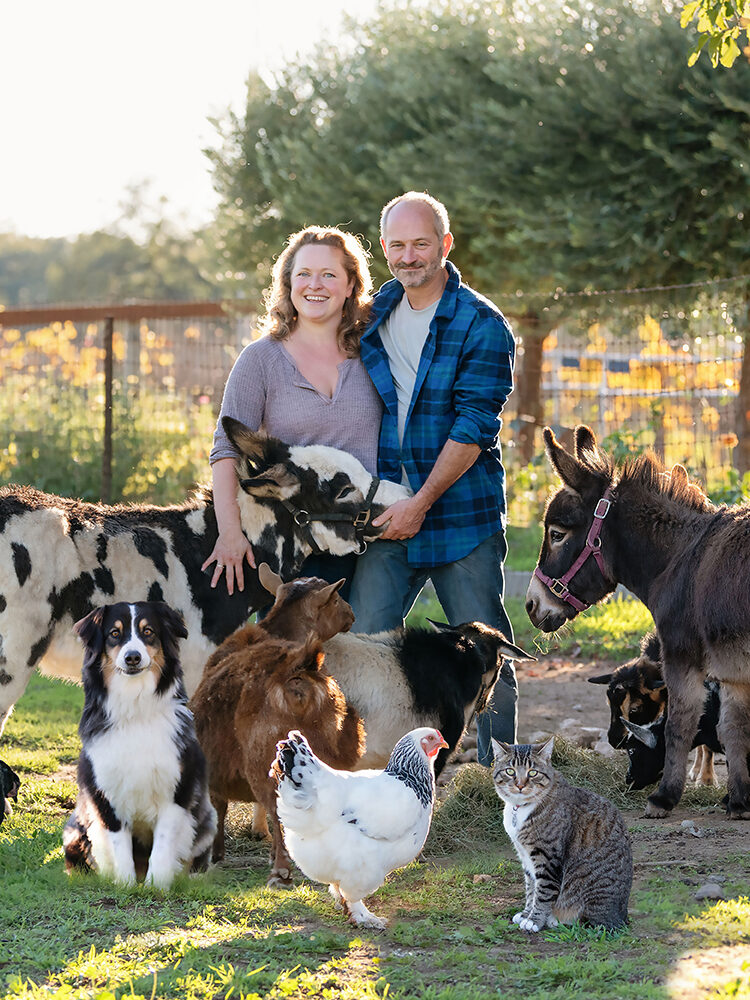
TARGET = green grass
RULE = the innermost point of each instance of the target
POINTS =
(225, 934)
(524, 543)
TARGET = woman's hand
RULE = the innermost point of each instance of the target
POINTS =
(229, 554)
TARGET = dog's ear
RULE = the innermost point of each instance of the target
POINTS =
(172, 628)
(89, 630)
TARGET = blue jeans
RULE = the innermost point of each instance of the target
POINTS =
(385, 587)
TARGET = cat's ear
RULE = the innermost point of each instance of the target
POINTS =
(501, 749)
(544, 750)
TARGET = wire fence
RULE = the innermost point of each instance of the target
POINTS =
(168, 374)
(669, 379)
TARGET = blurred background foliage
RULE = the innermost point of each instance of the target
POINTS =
(572, 144)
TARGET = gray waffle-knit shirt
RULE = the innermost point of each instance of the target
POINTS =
(266, 391)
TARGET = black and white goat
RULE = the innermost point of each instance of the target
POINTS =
(411, 678)
(400, 680)
(62, 558)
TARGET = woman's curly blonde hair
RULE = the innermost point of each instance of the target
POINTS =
(280, 317)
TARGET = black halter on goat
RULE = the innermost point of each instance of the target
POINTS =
(592, 547)
(302, 518)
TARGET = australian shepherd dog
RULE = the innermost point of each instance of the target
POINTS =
(143, 800)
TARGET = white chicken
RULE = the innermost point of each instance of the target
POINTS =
(350, 829)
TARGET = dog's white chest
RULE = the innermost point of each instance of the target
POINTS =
(136, 765)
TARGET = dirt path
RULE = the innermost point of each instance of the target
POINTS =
(554, 695)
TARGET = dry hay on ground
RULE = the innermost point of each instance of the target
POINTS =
(470, 815)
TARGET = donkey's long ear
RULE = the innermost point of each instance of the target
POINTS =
(585, 442)
(573, 472)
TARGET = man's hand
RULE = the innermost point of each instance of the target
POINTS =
(404, 518)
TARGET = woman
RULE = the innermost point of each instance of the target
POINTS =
(303, 383)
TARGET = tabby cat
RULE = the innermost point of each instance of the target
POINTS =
(573, 844)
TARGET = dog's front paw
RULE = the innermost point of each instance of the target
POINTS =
(125, 878)
(159, 879)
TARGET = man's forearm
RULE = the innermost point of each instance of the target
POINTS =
(404, 518)
(454, 459)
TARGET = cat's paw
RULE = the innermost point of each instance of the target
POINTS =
(518, 917)
(552, 921)
(527, 924)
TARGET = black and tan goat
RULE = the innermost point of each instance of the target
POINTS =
(637, 698)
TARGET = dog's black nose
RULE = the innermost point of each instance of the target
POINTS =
(132, 659)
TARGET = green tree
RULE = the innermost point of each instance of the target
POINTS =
(143, 255)
(23, 264)
(572, 144)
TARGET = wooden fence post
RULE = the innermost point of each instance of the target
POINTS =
(109, 324)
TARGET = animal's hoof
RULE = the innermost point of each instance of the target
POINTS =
(738, 812)
(654, 811)
(281, 879)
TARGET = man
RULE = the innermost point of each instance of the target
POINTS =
(441, 357)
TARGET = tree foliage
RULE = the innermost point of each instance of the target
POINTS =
(720, 25)
(142, 256)
(571, 143)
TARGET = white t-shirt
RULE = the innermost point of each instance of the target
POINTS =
(404, 333)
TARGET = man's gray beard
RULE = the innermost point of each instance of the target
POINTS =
(425, 274)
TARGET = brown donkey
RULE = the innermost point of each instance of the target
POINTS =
(688, 561)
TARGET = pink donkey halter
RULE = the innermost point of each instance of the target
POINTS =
(592, 547)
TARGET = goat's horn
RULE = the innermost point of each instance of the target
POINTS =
(270, 580)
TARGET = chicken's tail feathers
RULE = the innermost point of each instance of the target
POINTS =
(292, 756)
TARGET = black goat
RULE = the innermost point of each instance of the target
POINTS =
(636, 690)
(646, 745)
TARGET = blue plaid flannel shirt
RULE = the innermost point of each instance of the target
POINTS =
(464, 377)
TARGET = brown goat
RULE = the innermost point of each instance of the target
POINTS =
(251, 698)
(306, 608)
(303, 609)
